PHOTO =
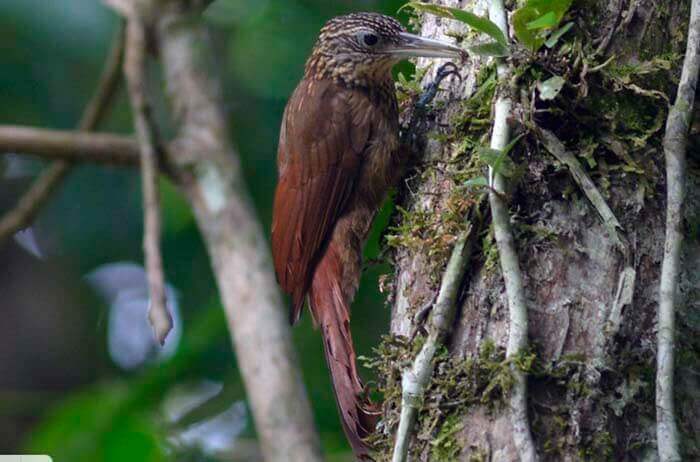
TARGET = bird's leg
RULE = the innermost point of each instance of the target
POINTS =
(408, 134)
(431, 89)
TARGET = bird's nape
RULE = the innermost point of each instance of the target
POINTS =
(361, 48)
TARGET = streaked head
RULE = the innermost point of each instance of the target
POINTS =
(368, 44)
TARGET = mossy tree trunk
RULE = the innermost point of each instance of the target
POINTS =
(592, 292)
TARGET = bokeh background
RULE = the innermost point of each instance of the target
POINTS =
(79, 377)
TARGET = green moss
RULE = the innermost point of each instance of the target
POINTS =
(631, 72)
(447, 445)
(456, 386)
(475, 114)
(409, 88)
(479, 455)
(565, 381)
(489, 251)
(600, 448)
(429, 233)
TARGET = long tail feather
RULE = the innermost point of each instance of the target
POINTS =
(331, 312)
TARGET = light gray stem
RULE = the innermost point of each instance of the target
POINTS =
(415, 379)
(517, 306)
(675, 141)
(209, 173)
(135, 71)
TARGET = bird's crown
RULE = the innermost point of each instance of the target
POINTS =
(355, 48)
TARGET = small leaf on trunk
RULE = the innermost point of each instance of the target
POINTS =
(550, 88)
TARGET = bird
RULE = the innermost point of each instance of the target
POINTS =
(338, 155)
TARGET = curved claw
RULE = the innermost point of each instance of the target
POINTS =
(447, 69)
(430, 90)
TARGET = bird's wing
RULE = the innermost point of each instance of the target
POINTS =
(323, 136)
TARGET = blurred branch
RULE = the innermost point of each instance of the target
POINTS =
(206, 167)
(675, 145)
(135, 71)
(40, 191)
(74, 146)
(208, 171)
(33, 199)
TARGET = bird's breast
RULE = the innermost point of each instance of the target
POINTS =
(382, 164)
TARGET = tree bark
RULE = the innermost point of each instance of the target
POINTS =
(591, 289)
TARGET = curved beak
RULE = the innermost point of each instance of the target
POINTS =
(413, 46)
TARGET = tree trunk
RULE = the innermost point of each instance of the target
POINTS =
(592, 291)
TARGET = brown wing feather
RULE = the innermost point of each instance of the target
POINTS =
(320, 152)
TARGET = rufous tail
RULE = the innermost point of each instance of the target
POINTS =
(331, 312)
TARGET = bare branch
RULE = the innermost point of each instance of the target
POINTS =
(108, 84)
(415, 379)
(33, 199)
(135, 71)
(208, 171)
(517, 307)
(40, 191)
(675, 143)
(101, 148)
(558, 150)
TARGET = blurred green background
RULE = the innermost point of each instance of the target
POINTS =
(61, 391)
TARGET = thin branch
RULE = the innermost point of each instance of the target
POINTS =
(675, 143)
(208, 171)
(626, 280)
(417, 378)
(101, 148)
(517, 307)
(108, 84)
(135, 71)
(33, 199)
(40, 191)
(558, 150)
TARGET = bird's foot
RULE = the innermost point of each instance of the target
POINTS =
(409, 133)
(431, 89)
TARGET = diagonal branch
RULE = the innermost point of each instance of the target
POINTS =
(33, 199)
(135, 71)
(558, 150)
(628, 275)
(417, 378)
(517, 307)
(40, 191)
(675, 144)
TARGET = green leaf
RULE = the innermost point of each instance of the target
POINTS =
(550, 88)
(512, 143)
(478, 181)
(530, 38)
(476, 22)
(547, 20)
(497, 160)
(489, 49)
(554, 38)
(558, 6)
(535, 18)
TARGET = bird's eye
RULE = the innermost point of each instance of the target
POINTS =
(368, 38)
